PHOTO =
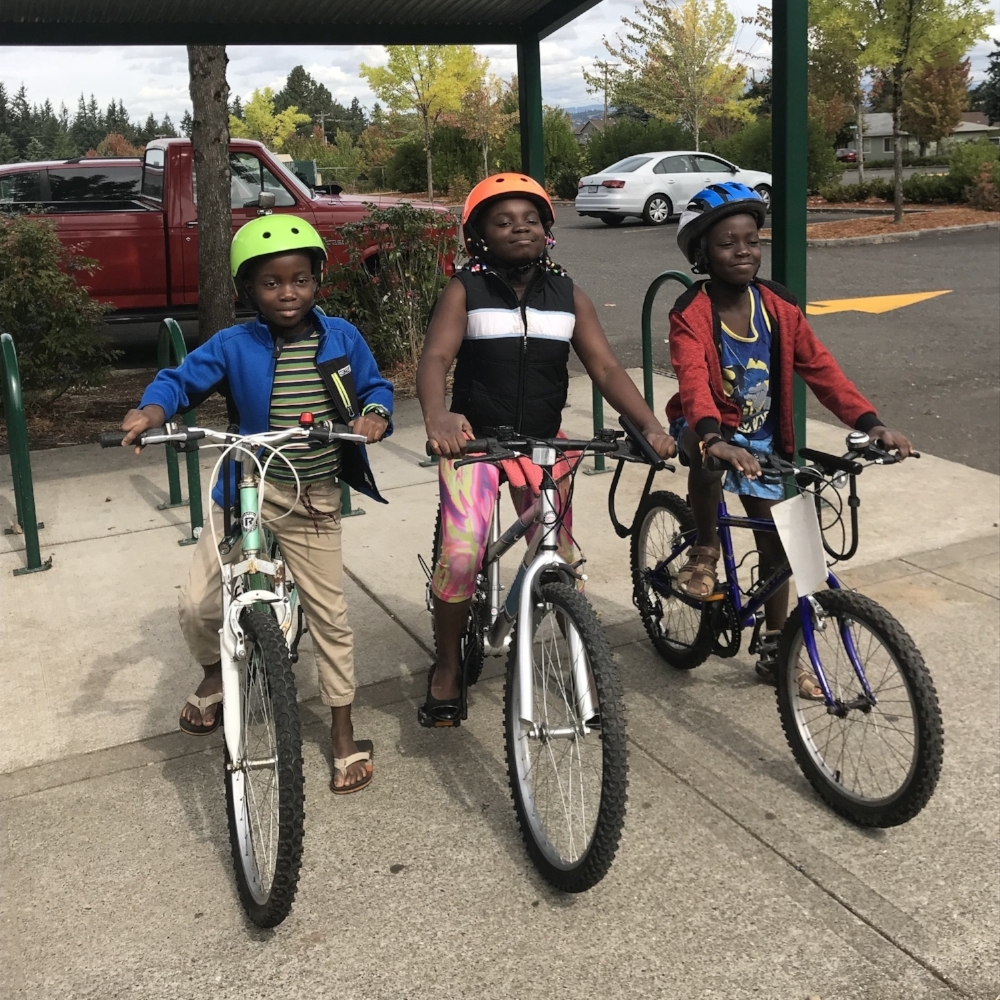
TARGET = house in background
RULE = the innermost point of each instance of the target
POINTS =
(878, 135)
(587, 129)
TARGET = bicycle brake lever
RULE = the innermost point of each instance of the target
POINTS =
(499, 456)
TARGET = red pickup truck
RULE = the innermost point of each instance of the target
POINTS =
(139, 218)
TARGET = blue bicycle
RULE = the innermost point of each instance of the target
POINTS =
(872, 747)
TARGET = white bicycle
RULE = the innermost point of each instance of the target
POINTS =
(258, 642)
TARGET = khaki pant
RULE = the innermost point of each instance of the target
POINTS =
(311, 546)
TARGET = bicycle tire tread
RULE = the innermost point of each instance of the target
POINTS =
(614, 786)
(265, 631)
(701, 648)
(930, 754)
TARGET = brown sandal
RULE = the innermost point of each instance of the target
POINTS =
(698, 576)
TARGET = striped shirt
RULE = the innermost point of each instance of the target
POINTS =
(298, 388)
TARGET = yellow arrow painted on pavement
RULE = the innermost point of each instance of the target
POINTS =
(871, 303)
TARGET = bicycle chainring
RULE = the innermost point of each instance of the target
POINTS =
(727, 631)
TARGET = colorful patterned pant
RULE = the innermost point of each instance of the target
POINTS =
(467, 498)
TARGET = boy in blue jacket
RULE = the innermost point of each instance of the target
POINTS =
(289, 360)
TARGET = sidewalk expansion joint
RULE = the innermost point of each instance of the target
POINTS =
(365, 589)
(838, 898)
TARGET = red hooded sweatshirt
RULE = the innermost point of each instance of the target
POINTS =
(695, 346)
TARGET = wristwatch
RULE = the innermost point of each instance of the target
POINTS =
(377, 410)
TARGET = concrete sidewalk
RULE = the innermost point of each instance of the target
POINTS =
(732, 880)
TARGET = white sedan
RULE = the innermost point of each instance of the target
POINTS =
(656, 186)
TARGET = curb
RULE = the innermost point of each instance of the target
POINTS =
(856, 241)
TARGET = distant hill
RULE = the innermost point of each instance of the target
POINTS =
(579, 114)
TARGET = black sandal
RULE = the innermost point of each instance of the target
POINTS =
(443, 713)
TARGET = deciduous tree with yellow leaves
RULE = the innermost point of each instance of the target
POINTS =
(261, 123)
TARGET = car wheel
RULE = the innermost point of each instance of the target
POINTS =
(612, 220)
(765, 192)
(657, 210)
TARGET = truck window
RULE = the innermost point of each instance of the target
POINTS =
(152, 174)
(21, 188)
(104, 183)
(249, 177)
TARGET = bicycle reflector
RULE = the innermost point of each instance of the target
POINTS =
(306, 419)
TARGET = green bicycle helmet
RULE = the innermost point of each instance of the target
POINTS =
(269, 235)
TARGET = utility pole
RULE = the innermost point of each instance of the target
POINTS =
(607, 68)
(322, 125)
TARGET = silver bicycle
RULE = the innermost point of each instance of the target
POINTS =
(261, 627)
(564, 714)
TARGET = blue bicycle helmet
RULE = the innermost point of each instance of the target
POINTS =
(710, 205)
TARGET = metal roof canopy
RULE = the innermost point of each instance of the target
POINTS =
(293, 22)
(444, 22)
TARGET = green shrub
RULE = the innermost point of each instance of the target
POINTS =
(926, 188)
(629, 136)
(878, 188)
(407, 170)
(911, 160)
(562, 151)
(566, 184)
(390, 296)
(750, 149)
(967, 158)
(984, 191)
(453, 154)
(58, 329)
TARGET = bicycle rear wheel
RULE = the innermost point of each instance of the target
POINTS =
(569, 776)
(264, 788)
(678, 628)
(877, 765)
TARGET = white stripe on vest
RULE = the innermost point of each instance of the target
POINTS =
(489, 324)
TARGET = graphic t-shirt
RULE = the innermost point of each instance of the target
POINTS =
(746, 370)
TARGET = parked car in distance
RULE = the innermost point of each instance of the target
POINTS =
(138, 218)
(847, 155)
(657, 186)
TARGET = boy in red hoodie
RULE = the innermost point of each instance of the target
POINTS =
(735, 343)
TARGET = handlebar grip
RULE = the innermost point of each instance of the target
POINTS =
(639, 440)
(476, 445)
(110, 439)
(712, 464)
(831, 463)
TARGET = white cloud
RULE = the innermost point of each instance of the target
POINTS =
(154, 80)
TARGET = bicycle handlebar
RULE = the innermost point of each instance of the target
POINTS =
(181, 434)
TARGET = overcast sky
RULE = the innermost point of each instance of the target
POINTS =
(150, 79)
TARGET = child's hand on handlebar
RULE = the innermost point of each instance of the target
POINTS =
(740, 459)
(892, 441)
(662, 443)
(447, 433)
(137, 421)
(372, 426)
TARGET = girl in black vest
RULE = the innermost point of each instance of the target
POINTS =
(509, 317)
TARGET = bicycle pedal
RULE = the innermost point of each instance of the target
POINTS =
(719, 595)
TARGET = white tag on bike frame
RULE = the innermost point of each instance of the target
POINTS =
(799, 531)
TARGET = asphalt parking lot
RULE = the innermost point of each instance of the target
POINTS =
(931, 368)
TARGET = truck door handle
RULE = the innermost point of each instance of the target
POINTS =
(190, 225)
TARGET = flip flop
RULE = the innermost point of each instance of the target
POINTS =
(366, 752)
(201, 704)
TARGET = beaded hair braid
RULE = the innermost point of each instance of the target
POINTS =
(481, 258)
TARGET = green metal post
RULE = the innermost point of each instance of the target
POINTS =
(20, 460)
(345, 502)
(647, 327)
(789, 124)
(529, 93)
(598, 407)
(171, 351)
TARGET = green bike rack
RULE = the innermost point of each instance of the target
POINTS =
(647, 327)
(170, 352)
(647, 357)
(20, 461)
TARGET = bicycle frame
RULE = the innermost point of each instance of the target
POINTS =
(809, 611)
(541, 555)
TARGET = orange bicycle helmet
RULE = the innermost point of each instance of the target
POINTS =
(505, 186)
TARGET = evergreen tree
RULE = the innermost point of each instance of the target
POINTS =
(8, 151)
(149, 131)
(236, 108)
(187, 123)
(985, 97)
(303, 92)
(167, 128)
(20, 128)
(34, 151)
(357, 120)
(4, 110)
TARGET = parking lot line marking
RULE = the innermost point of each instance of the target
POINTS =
(871, 303)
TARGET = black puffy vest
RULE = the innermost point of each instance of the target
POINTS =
(512, 369)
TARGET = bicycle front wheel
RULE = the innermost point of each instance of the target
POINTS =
(568, 774)
(677, 626)
(876, 764)
(264, 787)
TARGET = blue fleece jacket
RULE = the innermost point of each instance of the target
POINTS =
(244, 356)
